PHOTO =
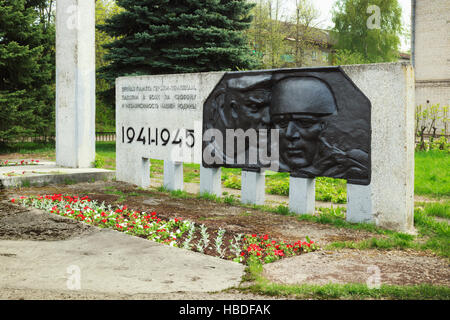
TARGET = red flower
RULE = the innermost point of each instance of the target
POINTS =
(13, 200)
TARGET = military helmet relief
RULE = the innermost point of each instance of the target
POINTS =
(314, 122)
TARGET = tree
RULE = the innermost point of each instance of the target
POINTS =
(27, 58)
(177, 36)
(304, 29)
(345, 57)
(104, 10)
(371, 28)
(282, 40)
(267, 33)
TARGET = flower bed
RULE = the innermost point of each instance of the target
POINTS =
(7, 163)
(175, 232)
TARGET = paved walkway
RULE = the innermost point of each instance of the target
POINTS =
(110, 262)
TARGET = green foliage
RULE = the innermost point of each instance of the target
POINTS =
(437, 209)
(180, 194)
(329, 189)
(99, 161)
(267, 34)
(283, 39)
(27, 58)
(435, 233)
(335, 212)
(346, 57)
(104, 110)
(283, 210)
(208, 196)
(230, 199)
(350, 291)
(351, 31)
(428, 119)
(278, 186)
(176, 36)
(232, 181)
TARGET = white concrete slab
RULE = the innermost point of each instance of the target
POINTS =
(108, 261)
(49, 173)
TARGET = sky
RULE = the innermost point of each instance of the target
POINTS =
(324, 7)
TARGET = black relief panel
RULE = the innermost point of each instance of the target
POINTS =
(322, 121)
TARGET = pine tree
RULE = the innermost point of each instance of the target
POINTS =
(26, 70)
(177, 36)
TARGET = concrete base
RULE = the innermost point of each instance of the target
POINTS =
(210, 181)
(302, 195)
(253, 187)
(173, 175)
(359, 204)
(49, 173)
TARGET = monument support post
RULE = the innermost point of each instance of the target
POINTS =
(302, 195)
(173, 175)
(253, 187)
(210, 181)
(75, 83)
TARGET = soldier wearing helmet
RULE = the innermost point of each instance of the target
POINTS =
(300, 110)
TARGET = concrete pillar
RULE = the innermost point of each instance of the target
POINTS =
(132, 169)
(253, 187)
(359, 204)
(302, 195)
(211, 181)
(75, 83)
(389, 199)
(173, 175)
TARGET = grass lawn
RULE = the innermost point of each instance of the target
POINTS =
(432, 173)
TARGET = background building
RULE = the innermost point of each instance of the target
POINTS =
(431, 50)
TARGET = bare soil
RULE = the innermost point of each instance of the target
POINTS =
(18, 223)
